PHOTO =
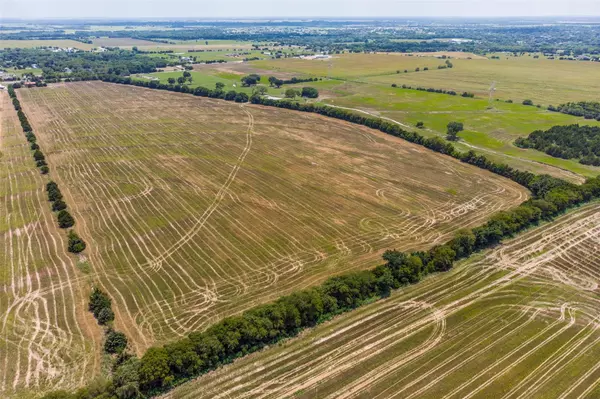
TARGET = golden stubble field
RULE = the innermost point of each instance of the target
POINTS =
(520, 321)
(194, 209)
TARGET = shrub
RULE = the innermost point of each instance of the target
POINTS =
(116, 342)
(34, 146)
(59, 205)
(38, 155)
(65, 220)
(420, 125)
(98, 301)
(76, 244)
(310, 92)
(44, 170)
(527, 102)
(105, 316)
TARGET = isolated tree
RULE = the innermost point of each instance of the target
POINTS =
(420, 125)
(181, 80)
(219, 86)
(250, 80)
(171, 81)
(310, 92)
(527, 102)
(291, 93)
(44, 170)
(259, 91)
(186, 74)
(453, 129)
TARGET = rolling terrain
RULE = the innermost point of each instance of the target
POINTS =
(195, 209)
(519, 321)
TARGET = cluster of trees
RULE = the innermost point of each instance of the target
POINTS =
(184, 79)
(567, 142)
(38, 155)
(250, 80)
(64, 218)
(432, 90)
(587, 109)
(273, 81)
(83, 65)
(307, 92)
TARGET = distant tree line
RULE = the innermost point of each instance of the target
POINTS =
(432, 90)
(273, 81)
(162, 367)
(567, 142)
(63, 217)
(586, 109)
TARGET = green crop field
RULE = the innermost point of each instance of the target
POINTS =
(194, 209)
(363, 81)
(518, 321)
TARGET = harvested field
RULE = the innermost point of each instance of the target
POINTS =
(194, 209)
(518, 321)
(45, 328)
(44, 43)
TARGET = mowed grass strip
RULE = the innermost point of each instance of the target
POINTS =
(195, 209)
(49, 340)
(517, 320)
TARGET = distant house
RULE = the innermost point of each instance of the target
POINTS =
(29, 84)
(2, 87)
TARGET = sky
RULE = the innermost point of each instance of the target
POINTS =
(35, 9)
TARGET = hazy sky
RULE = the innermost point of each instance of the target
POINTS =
(289, 8)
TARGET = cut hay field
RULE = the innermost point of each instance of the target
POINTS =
(47, 337)
(519, 321)
(518, 78)
(194, 209)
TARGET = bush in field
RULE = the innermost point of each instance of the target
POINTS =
(65, 220)
(76, 244)
(453, 129)
(115, 342)
(44, 170)
(105, 316)
(310, 92)
(527, 102)
(38, 155)
(59, 205)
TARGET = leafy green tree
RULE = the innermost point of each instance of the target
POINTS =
(420, 125)
(171, 81)
(98, 301)
(453, 129)
(38, 155)
(58, 205)
(76, 244)
(310, 92)
(443, 258)
(154, 369)
(105, 316)
(181, 80)
(126, 379)
(44, 169)
(65, 220)
(527, 102)
(259, 91)
(291, 93)
(115, 342)
(219, 86)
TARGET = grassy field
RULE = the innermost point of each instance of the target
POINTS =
(121, 42)
(48, 338)
(194, 209)
(517, 321)
(346, 66)
(44, 43)
(363, 81)
(518, 78)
